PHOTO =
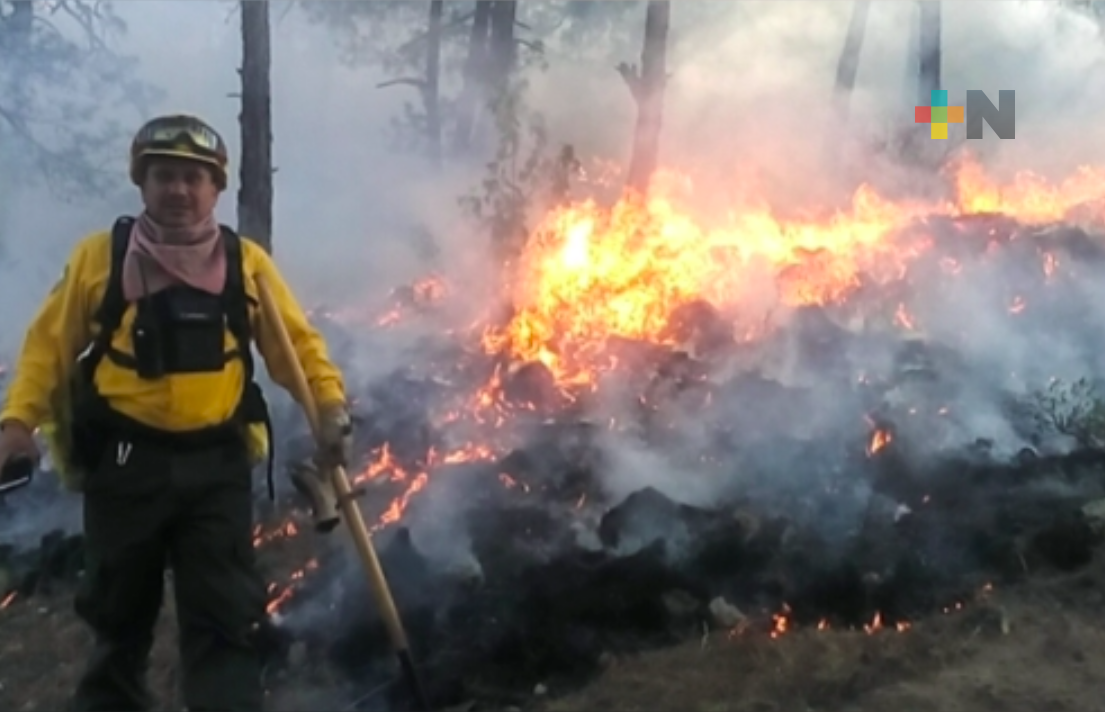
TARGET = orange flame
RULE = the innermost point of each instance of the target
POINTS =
(590, 273)
(880, 439)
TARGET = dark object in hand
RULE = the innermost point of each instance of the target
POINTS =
(16, 473)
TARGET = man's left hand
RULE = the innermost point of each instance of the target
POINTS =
(335, 436)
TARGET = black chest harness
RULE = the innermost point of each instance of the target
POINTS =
(175, 330)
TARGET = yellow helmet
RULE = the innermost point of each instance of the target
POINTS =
(181, 136)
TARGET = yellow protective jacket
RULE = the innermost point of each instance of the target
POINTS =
(64, 327)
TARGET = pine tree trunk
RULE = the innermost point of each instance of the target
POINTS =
(502, 48)
(647, 87)
(255, 175)
(928, 51)
(848, 66)
(432, 92)
(916, 145)
(910, 84)
(474, 94)
(19, 22)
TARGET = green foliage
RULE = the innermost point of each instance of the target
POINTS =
(62, 90)
(391, 36)
(1074, 409)
(599, 32)
(525, 176)
(366, 31)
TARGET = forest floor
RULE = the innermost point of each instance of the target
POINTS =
(1036, 647)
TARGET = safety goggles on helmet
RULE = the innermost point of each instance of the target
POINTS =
(168, 133)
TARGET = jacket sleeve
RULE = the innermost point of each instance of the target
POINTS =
(55, 337)
(322, 374)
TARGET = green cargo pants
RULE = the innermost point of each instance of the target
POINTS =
(147, 508)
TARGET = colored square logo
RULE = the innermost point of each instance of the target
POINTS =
(938, 115)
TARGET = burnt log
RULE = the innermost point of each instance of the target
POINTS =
(699, 327)
(646, 517)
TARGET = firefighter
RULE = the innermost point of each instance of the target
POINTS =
(137, 370)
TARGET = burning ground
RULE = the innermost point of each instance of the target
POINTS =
(865, 444)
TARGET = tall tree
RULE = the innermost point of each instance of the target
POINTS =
(59, 82)
(255, 175)
(928, 58)
(366, 31)
(502, 49)
(912, 142)
(647, 86)
(474, 94)
(429, 123)
(432, 91)
(848, 66)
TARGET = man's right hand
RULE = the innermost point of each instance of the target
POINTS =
(17, 441)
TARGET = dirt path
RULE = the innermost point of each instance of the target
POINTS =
(1039, 647)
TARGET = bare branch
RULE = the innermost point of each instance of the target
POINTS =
(86, 17)
(409, 81)
(284, 15)
(48, 157)
(632, 77)
(536, 46)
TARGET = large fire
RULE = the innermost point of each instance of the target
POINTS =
(591, 274)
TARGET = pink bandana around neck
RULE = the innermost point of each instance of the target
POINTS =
(159, 257)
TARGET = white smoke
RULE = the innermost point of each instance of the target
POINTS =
(749, 95)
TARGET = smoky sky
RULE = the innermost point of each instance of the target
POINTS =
(750, 85)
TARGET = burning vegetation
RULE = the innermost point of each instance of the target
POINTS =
(753, 427)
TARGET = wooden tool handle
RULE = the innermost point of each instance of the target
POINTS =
(301, 389)
(352, 513)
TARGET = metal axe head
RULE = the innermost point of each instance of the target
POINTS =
(319, 491)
